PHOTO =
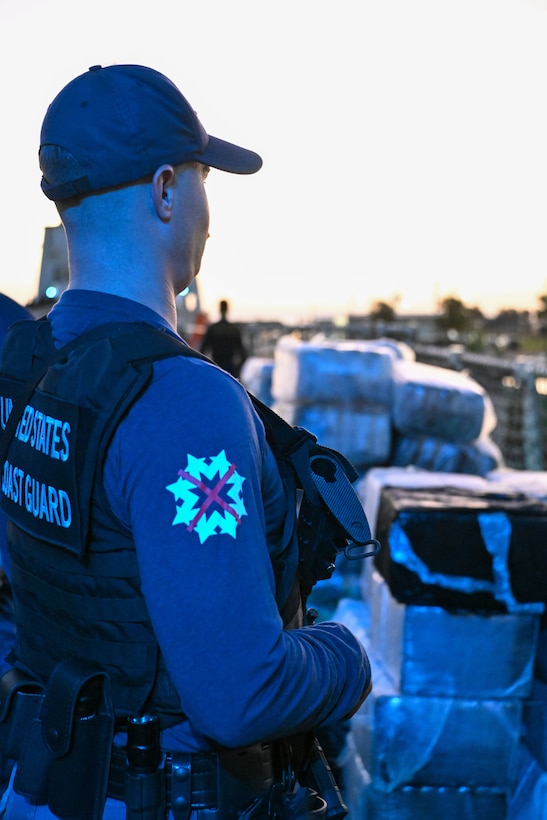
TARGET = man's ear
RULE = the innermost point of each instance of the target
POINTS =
(162, 191)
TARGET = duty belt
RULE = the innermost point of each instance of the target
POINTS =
(62, 739)
(230, 779)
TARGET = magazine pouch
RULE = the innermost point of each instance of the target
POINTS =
(65, 758)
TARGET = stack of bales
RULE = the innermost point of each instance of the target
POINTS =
(451, 610)
(372, 401)
(340, 391)
(256, 375)
(452, 607)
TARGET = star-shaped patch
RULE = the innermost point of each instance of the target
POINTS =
(209, 496)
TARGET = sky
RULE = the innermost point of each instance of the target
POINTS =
(404, 144)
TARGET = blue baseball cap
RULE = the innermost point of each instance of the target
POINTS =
(121, 122)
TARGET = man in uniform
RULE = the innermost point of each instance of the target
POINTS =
(152, 552)
(223, 343)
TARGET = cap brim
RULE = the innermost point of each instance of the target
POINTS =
(228, 157)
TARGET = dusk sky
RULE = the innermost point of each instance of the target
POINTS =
(403, 143)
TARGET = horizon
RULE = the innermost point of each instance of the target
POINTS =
(403, 145)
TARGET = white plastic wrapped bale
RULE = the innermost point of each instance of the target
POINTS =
(532, 483)
(356, 782)
(436, 741)
(256, 377)
(430, 651)
(361, 433)
(431, 739)
(529, 799)
(332, 371)
(401, 349)
(477, 457)
(438, 402)
(541, 654)
(356, 616)
(437, 803)
(535, 722)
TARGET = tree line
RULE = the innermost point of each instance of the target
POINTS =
(455, 315)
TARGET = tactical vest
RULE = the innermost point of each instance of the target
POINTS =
(75, 578)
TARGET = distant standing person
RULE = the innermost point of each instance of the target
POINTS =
(223, 343)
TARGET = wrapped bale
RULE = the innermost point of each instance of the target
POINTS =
(540, 670)
(430, 651)
(529, 799)
(436, 803)
(454, 549)
(356, 616)
(256, 376)
(361, 432)
(332, 372)
(436, 741)
(477, 457)
(535, 722)
(532, 483)
(416, 802)
(356, 781)
(438, 402)
(401, 350)
(427, 740)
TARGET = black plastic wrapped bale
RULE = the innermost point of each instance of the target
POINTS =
(461, 549)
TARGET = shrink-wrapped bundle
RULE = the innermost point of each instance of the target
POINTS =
(396, 742)
(535, 722)
(438, 803)
(541, 654)
(532, 483)
(362, 432)
(401, 350)
(256, 377)
(445, 543)
(332, 371)
(436, 741)
(452, 549)
(477, 457)
(355, 615)
(438, 402)
(431, 651)
(356, 781)
(528, 801)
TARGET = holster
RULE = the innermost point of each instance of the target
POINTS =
(65, 756)
(20, 703)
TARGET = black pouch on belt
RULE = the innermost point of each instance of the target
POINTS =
(65, 758)
(20, 703)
